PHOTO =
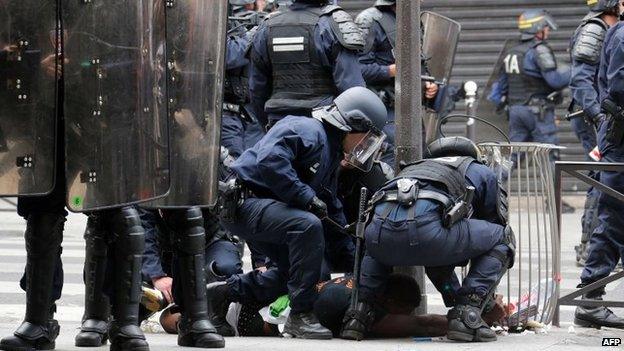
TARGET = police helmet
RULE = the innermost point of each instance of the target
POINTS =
(598, 7)
(356, 110)
(453, 146)
(385, 2)
(533, 21)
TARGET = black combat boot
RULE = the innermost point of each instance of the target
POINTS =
(465, 322)
(94, 328)
(596, 317)
(305, 325)
(44, 234)
(358, 322)
(124, 332)
(218, 303)
(195, 329)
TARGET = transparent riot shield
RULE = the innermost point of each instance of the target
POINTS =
(117, 141)
(489, 111)
(439, 44)
(29, 74)
(440, 38)
(196, 36)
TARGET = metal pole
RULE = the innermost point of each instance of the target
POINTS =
(471, 109)
(409, 103)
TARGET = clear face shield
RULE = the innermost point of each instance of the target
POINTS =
(365, 153)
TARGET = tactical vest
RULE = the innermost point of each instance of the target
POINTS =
(236, 86)
(300, 82)
(388, 23)
(447, 174)
(522, 87)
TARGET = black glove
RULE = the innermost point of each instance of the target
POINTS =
(318, 208)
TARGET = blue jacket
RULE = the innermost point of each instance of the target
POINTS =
(236, 52)
(296, 160)
(611, 73)
(343, 64)
(584, 85)
(555, 79)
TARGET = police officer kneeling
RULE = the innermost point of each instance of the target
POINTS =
(289, 183)
(423, 217)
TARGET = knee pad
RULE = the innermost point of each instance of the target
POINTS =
(188, 224)
(44, 233)
(126, 224)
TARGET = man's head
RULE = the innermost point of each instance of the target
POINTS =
(537, 24)
(361, 115)
(608, 10)
(401, 296)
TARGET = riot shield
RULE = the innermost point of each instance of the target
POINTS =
(440, 38)
(196, 36)
(116, 128)
(29, 75)
(487, 109)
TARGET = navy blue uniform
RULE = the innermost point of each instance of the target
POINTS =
(528, 76)
(415, 236)
(297, 160)
(338, 64)
(607, 242)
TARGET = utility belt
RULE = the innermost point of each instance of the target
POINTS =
(615, 116)
(542, 104)
(407, 195)
(232, 194)
(238, 110)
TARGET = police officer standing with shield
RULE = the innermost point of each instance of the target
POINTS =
(529, 75)
(289, 193)
(606, 246)
(585, 49)
(302, 58)
(439, 213)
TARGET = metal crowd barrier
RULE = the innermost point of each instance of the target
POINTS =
(531, 287)
(573, 168)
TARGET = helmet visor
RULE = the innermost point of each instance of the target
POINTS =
(366, 151)
(550, 21)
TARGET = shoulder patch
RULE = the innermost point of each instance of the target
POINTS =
(545, 57)
(345, 29)
(588, 45)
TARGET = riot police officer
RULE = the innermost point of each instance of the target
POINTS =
(606, 246)
(422, 217)
(289, 179)
(528, 77)
(379, 69)
(585, 49)
(302, 59)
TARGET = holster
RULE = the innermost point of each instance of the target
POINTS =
(232, 194)
(615, 116)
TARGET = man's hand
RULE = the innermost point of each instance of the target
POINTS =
(431, 90)
(392, 70)
(164, 285)
(318, 208)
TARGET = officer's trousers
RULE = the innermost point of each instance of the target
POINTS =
(526, 124)
(293, 240)
(425, 242)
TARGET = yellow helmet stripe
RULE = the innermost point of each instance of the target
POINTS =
(528, 23)
(591, 2)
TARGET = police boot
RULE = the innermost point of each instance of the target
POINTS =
(195, 329)
(44, 234)
(219, 302)
(357, 322)
(124, 331)
(465, 322)
(94, 328)
(305, 325)
(596, 317)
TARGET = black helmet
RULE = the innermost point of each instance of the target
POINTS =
(598, 7)
(356, 110)
(452, 146)
(533, 21)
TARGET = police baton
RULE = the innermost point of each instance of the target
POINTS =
(359, 242)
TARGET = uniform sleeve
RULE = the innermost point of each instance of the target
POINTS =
(582, 87)
(499, 89)
(373, 72)
(557, 79)
(275, 159)
(341, 61)
(260, 73)
(152, 265)
(615, 68)
(235, 55)
(485, 202)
